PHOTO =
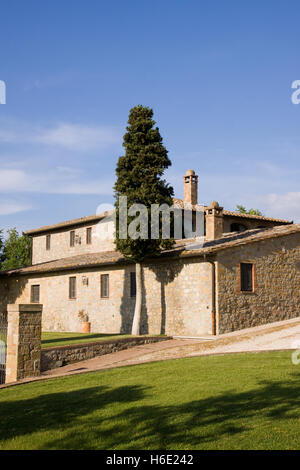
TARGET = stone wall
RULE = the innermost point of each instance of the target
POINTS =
(23, 341)
(102, 240)
(176, 300)
(277, 291)
(177, 296)
(53, 358)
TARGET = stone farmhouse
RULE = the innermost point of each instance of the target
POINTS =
(246, 273)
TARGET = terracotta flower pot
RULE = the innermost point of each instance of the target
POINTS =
(86, 327)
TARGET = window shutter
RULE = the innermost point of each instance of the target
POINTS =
(104, 285)
(48, 241)
(72, 238)
(35, 294)
(88, 235)
(72, 287)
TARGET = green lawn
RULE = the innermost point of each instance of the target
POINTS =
(238, 401)
(51, 339)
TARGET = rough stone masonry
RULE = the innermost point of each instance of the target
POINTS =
(245, 273)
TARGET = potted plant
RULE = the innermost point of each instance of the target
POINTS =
(85, 323)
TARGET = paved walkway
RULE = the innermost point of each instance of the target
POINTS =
(275, 336)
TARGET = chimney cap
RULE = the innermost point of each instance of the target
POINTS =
(190, 173)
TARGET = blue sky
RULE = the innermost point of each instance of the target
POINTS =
(217, 74)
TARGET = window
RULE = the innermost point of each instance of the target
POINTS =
(72, 238)
(48, 238)
(194, 221)
(35, 294)
(104, 286)
(88, 235)
(132, 284)
(72, 287)
(247, 277)
(237, 227)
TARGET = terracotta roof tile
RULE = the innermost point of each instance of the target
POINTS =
(177, 203)
(182, 249)
(258, 217)
(242, 238)
(72, 262)
(67, 223)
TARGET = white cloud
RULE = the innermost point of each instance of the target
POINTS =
(61, 180)
(287, 205)
(271, 188)
(46, 172)
(11, 207)
(11, 180)
(76, 137)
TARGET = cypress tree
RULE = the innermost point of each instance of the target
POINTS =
(139, 177)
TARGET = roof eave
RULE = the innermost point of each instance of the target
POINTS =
(68, 223)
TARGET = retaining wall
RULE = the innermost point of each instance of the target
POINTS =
(59, 356)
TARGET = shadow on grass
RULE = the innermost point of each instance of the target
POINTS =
(96, 336)
(106, 418)
(57, 411)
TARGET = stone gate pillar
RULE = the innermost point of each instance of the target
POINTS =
(23, 354)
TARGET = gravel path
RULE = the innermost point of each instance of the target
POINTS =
(280, 335)
(275, 336)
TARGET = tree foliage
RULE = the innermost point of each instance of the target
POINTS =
(1, 243)
(15, 251)
(139, 177)
(243, 210)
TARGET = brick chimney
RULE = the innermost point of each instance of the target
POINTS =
(190, 188)
(214, 221)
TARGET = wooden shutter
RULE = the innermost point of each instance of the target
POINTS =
(72, 238)
(48, 241)
(104, 285)
(72, 287)
(35, 294)
(88, 235)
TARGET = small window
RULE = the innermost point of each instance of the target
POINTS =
(194, 221)
(247, 277)
(48, 242)
(104, 286)
(132, 284)
(72, 238)
(237, 227)
(35, 294)
(72, 287)
(89, 236)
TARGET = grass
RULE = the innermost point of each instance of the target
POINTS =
(52, 339)
(238, 401)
